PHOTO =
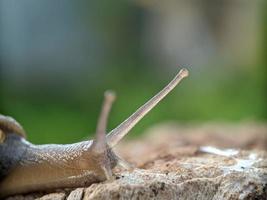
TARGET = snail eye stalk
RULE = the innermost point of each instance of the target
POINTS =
(100, 142)
(120, 131)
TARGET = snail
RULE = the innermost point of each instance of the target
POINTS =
(25, 167)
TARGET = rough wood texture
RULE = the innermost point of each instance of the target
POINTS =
(76, 194)
(174, 163)
(53, 196)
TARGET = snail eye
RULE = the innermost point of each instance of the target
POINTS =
(2, 136)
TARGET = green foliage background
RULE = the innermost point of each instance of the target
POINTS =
(67, 113)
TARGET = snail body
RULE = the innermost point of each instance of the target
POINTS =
(25, 167)
(44, 167)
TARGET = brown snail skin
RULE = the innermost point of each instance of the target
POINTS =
(25, 167)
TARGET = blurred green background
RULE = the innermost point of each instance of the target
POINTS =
(58, 57)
